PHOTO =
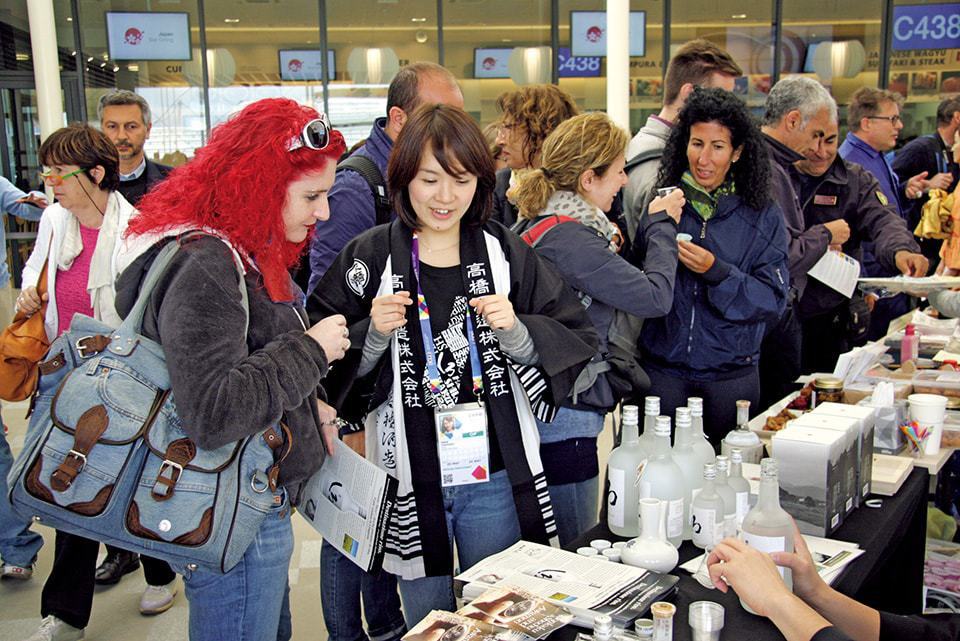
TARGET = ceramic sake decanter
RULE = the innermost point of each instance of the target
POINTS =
(651, 550)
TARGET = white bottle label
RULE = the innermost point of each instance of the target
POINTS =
(615, 498)
(730, 524)
(766, 544)
(694, 492)
(704, 524)
(743, 506)
(675, 518)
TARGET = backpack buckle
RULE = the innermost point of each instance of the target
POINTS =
(92, 344)
(166, 480)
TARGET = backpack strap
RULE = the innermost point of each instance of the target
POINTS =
(365, 166)
(643, 157)
(534, 234)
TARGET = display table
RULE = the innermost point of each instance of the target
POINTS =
(888, 576)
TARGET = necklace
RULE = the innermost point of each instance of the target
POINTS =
(431, 250)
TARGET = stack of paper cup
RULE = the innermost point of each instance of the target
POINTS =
(929, 410)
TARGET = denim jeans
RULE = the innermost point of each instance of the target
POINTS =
(246, 603)
(482, 518)
(342, 583)
(18, 545)
(575, 507)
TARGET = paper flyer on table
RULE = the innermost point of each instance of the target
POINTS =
(452, 626)
(349, 501)
(837, 271)
(583, 586)
(912, 284)
(517, 609)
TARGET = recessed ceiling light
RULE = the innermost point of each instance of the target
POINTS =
(418, 19)
(69, 19)
(23, 57)
(231, 20)
(739, 16)
(133, 67)
(90, 59)
(116, 68)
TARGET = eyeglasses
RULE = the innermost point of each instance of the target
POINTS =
(893, 119)
(315, 135)
(55, 179)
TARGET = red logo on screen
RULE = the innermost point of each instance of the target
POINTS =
(133, 36)
(594, 34)
(294, 65)
(489, 64)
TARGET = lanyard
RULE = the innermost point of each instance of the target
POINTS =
(426, 332)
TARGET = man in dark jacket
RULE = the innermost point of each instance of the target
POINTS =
(352, 212)
(352, 208)
(125, 119)
(833, 189)
(798, 111)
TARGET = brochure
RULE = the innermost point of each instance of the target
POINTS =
(517, 609)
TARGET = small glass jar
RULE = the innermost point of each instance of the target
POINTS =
(829, 389)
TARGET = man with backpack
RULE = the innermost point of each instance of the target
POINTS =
(359, 201)
(699, 63)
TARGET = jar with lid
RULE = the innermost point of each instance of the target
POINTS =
(828, 389)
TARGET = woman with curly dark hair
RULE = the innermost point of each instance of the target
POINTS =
(732, 279)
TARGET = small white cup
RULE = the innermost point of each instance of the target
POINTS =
(706, 620)
(587, 551)
(929, 411)
(687, 238)
(600, 544)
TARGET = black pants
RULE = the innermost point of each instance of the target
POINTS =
(68, 591)
(719, 399)
(780, 359)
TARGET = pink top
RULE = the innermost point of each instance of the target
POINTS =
(71, 285)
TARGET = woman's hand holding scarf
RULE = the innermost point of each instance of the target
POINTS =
(496, 309)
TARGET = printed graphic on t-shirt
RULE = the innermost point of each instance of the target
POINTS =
(453, 354)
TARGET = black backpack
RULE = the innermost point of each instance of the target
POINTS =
(378, 186)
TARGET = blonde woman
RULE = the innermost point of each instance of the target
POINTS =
(562, 204)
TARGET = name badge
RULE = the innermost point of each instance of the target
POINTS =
(829, 201)
(462, 444)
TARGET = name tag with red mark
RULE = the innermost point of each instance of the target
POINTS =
(829, 201)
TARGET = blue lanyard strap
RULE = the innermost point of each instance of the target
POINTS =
(426, 332)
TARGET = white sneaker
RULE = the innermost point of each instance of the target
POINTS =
(16, 572)
(53, 629)
(158, 598)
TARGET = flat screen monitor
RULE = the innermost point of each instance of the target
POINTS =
(588, 33)
(306, 64)
(148, 35)
(491, 63)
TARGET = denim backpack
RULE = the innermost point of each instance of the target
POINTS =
(106, 458)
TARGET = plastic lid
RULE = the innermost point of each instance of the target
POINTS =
(768, 468)
(736, 456)
(651, 406)
(683, 418)
(631, 414)
(828, 382)
(723, 463)
(695, 403)
(709, 471)
(662, 426)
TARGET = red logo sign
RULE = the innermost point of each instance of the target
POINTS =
(594, 34)
(295, 65)
(489, 64)
(133, 36)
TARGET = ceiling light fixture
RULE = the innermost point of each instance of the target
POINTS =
(418, 19)
(739, 16)
(231, 20)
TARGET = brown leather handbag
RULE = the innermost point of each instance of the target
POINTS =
(23, 345)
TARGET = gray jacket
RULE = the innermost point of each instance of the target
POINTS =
(643, 178)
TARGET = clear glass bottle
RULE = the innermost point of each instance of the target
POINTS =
(689, 463)
(707, 512)
(767, 527)
(751, 449)
(623, 499)
(740, 485)
(728, 495)
(651, 410)
(662, 479)
(701, 445)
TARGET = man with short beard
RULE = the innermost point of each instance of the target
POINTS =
(125, 119)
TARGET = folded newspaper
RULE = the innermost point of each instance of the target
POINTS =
(451, 626)
(519, 610)
(584, 586)
(348, 501)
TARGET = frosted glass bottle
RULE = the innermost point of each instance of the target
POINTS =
(751, 449)
(701, 445)
(662, 479)
(623, 499)
(707, 513)
(739, 485)
(767, 527)
(689, 462)
(728, 495)
(651, 410)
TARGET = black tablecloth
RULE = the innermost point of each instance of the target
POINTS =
(888, 576)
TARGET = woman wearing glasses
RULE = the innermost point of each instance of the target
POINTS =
(78, 240)
(256, 189)
(456, 318)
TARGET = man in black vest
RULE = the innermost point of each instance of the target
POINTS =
(125, 119)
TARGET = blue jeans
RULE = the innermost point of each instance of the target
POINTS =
(246, 603)
(575, 507)
(18, 545)
(482, 518)
(341, 584)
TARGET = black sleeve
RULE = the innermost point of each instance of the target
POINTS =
(930, 627)
(830, 633)
(223, 392)
(914, 158)
(879, 224)
(503, 210)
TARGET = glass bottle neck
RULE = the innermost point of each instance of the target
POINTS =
(631, 433)
(769, 496)
(661, 446)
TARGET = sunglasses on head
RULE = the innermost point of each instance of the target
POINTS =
(315, 135)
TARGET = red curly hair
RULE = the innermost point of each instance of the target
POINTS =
(237, 184)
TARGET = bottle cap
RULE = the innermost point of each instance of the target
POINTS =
(602, 625)
(662, 426)
(663, 610)
(695, 403)
(742, 438)
(683, 415)
(768, 468)
(910, 330)
(723, 463)
(644, 628)
(630, 414)
(736, 456)
(651, 406)
(709, 471)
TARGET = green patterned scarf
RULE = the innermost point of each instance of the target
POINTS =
(703, 201)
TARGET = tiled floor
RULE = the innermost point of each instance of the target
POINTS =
(115, 616)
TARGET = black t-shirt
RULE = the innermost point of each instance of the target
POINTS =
(446, 298)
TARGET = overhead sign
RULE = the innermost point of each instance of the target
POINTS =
(926, 26)
(305, 64)
(577, 66)
(588, 33)
(491, 63)
(148, 35)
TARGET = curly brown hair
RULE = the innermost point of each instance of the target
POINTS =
(535, 110)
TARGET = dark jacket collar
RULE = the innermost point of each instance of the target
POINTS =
(378, 144)
(782, 155)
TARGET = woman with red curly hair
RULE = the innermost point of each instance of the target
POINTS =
(256, 190)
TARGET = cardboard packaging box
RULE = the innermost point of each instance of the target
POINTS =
(811, 474)
(866, 416)
(850, 429)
